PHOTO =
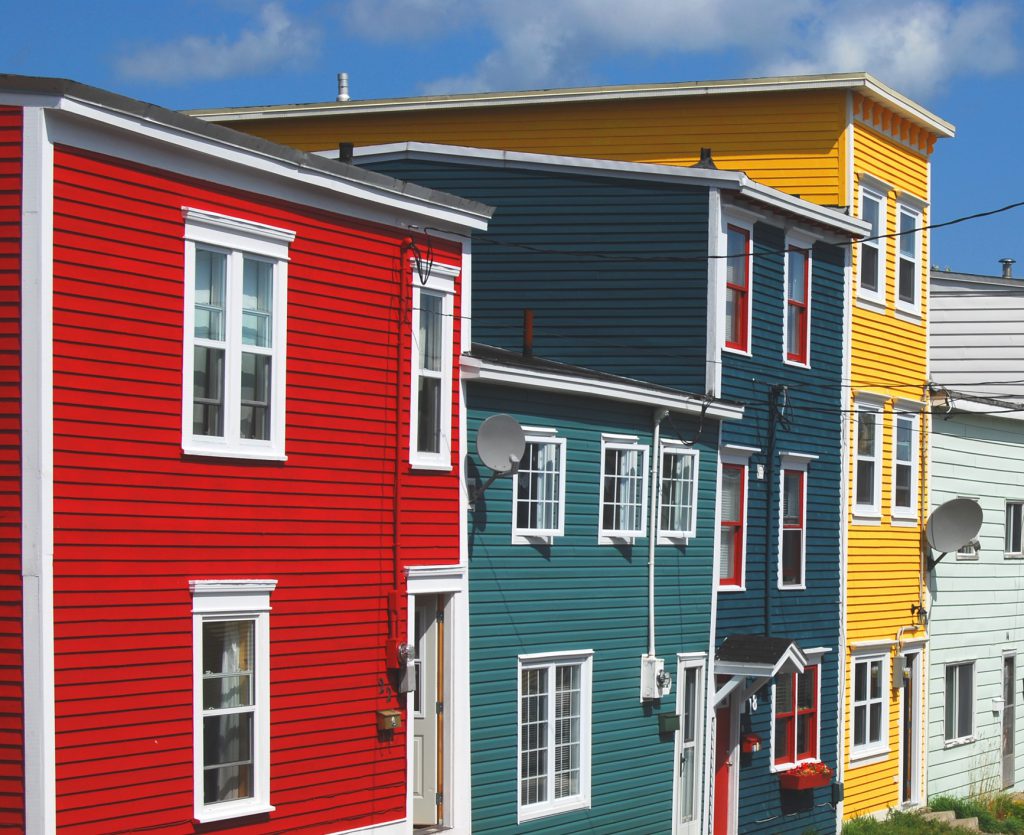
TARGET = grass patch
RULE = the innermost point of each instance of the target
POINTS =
(898, 823)
(995, 812)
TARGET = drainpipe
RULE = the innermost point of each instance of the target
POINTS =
(659, 416)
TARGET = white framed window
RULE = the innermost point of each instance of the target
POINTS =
(869, 705)
(908, 260)
(867, 476)
(871, 252)
(554, 733)
(539, 488)
(904, 465)
(677, 516)
(959, 714)
(797, 320)
(236, 320)
(231, 700)
(623, 488)
(1013, 546)
(689, 741)
(793, 528)
(430, 422)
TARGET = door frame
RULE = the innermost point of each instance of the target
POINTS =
(450, 583)
(732, 706)
(1008, 654)
(915, 691)
(687, 661)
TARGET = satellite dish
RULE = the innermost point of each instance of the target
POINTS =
(953, 524)
(500, 442)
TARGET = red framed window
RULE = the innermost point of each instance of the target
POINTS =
(798, 284)
(730, 531)
(793, 521)
(737, 288)
(796, 716)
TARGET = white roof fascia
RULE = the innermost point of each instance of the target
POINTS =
(652, 172)
(543, 380)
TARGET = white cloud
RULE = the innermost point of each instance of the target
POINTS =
(277, 40)
(915, 46)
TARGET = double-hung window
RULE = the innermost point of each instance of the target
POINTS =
(959, 724)
(731, 538)
(871, 252)
(737, 288)
(798, 305)
(904, 465)
(236, 294)
(867, 477)
(433, 299)
(677, 518)
(231, 657)
(539, 489)
(554, 733)
(869, 705)
(908, 266)
(1013, 546)
(796, 717)
(623, 488)
(794, 524)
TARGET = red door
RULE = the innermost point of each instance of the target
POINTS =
(723, 767)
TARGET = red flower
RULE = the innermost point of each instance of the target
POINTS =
(812, 767)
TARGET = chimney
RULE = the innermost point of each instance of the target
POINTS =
(1007, 267)
(343, 87)
(345, 150)
(705, 160)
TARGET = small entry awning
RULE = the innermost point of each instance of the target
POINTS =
(751, 661)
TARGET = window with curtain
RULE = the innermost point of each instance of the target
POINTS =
(869, 705)
(959, 702)
(793, 522)
(737, 289)
(540, 488)
(796, 716)
(623, 489)
(798, 295)
(678, 516)
(730, 531)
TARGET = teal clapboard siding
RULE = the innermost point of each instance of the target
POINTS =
(614, 269)
(811, 424)
(576, 594)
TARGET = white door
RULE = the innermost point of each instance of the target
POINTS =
(427, 713)
(689, 745)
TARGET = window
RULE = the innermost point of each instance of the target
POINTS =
(730, 531)
(868, 451)
(231, 657)
(737, 289)
(869, 705)
(540, 488)
(793, 524)
(431, 397)
(798, 298)
(904, 476)
(236, 274)
(623, 488)
(960, 702)
(554, 733)
(690, 704)
(679, 466)
(796, 716)
(908, 284)
(872, 251)
(1012, 546)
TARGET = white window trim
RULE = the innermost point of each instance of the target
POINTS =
(872, 513)
(877, 190)
(690, 661)
(1013, 555)
(973, 735)
(745, 221)
(585, 659)
(440, 281)
(528, 536)
(794, 241)
(913, 310)
(236, 237)
(214, 600)
(670, 447)
(904, 411)
(869, 655)
(814, 657)
(628, 442)
(798, 462)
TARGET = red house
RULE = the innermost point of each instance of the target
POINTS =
(230, 439)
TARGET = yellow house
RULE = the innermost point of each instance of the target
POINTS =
(843, 140)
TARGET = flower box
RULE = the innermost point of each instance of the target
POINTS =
(800, 781)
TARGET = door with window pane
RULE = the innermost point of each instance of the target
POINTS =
(1009, 720)
(689, 746)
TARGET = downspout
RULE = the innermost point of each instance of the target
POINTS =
(659, 416)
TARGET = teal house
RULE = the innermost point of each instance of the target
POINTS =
(597, 277)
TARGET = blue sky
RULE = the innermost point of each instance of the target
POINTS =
(961, 59)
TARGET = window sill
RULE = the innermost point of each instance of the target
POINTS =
(725, 587)
(232, 810)
(904, 521)
(679, 540)
(866, 517)
(435, 466)
(870, 757)
(872, 302)
(793, 587)
(908, 314)
(796, 363)
(1011, 556)
(743, 352)
(617, 538)
(956, 743)
(544, 810)
(534, 538)
(243, 453)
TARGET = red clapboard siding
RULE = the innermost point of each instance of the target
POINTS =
(135, 520)
(11, 709)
